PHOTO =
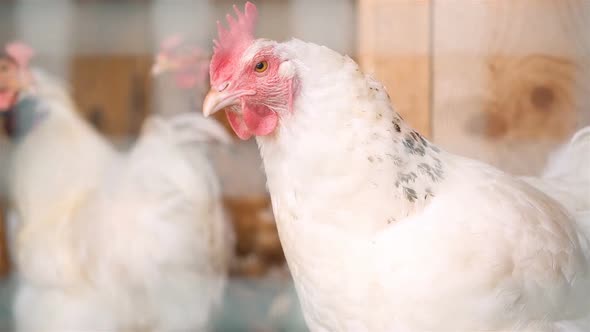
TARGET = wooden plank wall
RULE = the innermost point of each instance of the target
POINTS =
(393, 45)
(113, 91)
(5, 264)
(501, 81)
(511, 78)
(7, 33)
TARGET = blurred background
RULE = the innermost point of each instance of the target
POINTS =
(497, 80)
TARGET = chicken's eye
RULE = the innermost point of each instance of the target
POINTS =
(261, 67)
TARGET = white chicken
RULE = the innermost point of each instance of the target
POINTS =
(566, 177)
(382, 230)
(109, 240)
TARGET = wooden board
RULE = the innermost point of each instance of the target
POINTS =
(4, 256)
(113, 91)
(258, 247)
(8, 24)
(111, 27)
(7, 21)
(394, 45)
(510, 78)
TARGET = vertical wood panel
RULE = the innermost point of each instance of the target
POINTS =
(326, 22)
(4, 256)
(8, 29)
(510, 78)
(394, 43)
(46, 26)
(8, 22)
(113, 91)
(111, 27)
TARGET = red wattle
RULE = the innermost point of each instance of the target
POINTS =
(238, 125)
(260, 120)
(7, 99)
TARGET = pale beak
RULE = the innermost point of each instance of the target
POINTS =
(158, 68)
(217, 100)
(162, 65)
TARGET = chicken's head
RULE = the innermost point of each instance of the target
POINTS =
(187, 63)
(14, 73)
(249, 78)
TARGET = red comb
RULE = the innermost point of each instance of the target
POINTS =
(240, 31)
(239, 36)
(20, 52)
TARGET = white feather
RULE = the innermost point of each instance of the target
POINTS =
(566, 177)
(112, 240)
(473, 249)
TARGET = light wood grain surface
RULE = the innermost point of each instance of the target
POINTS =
(501, 81)
(393, 45)
(510, 78)
(113, 91)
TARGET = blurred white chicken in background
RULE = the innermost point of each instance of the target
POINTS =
(110, 240)
(262, 281)
(62, 156)
(187, 64)
(566, 177)
(178, 64)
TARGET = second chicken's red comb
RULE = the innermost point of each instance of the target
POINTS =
(20, 52)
